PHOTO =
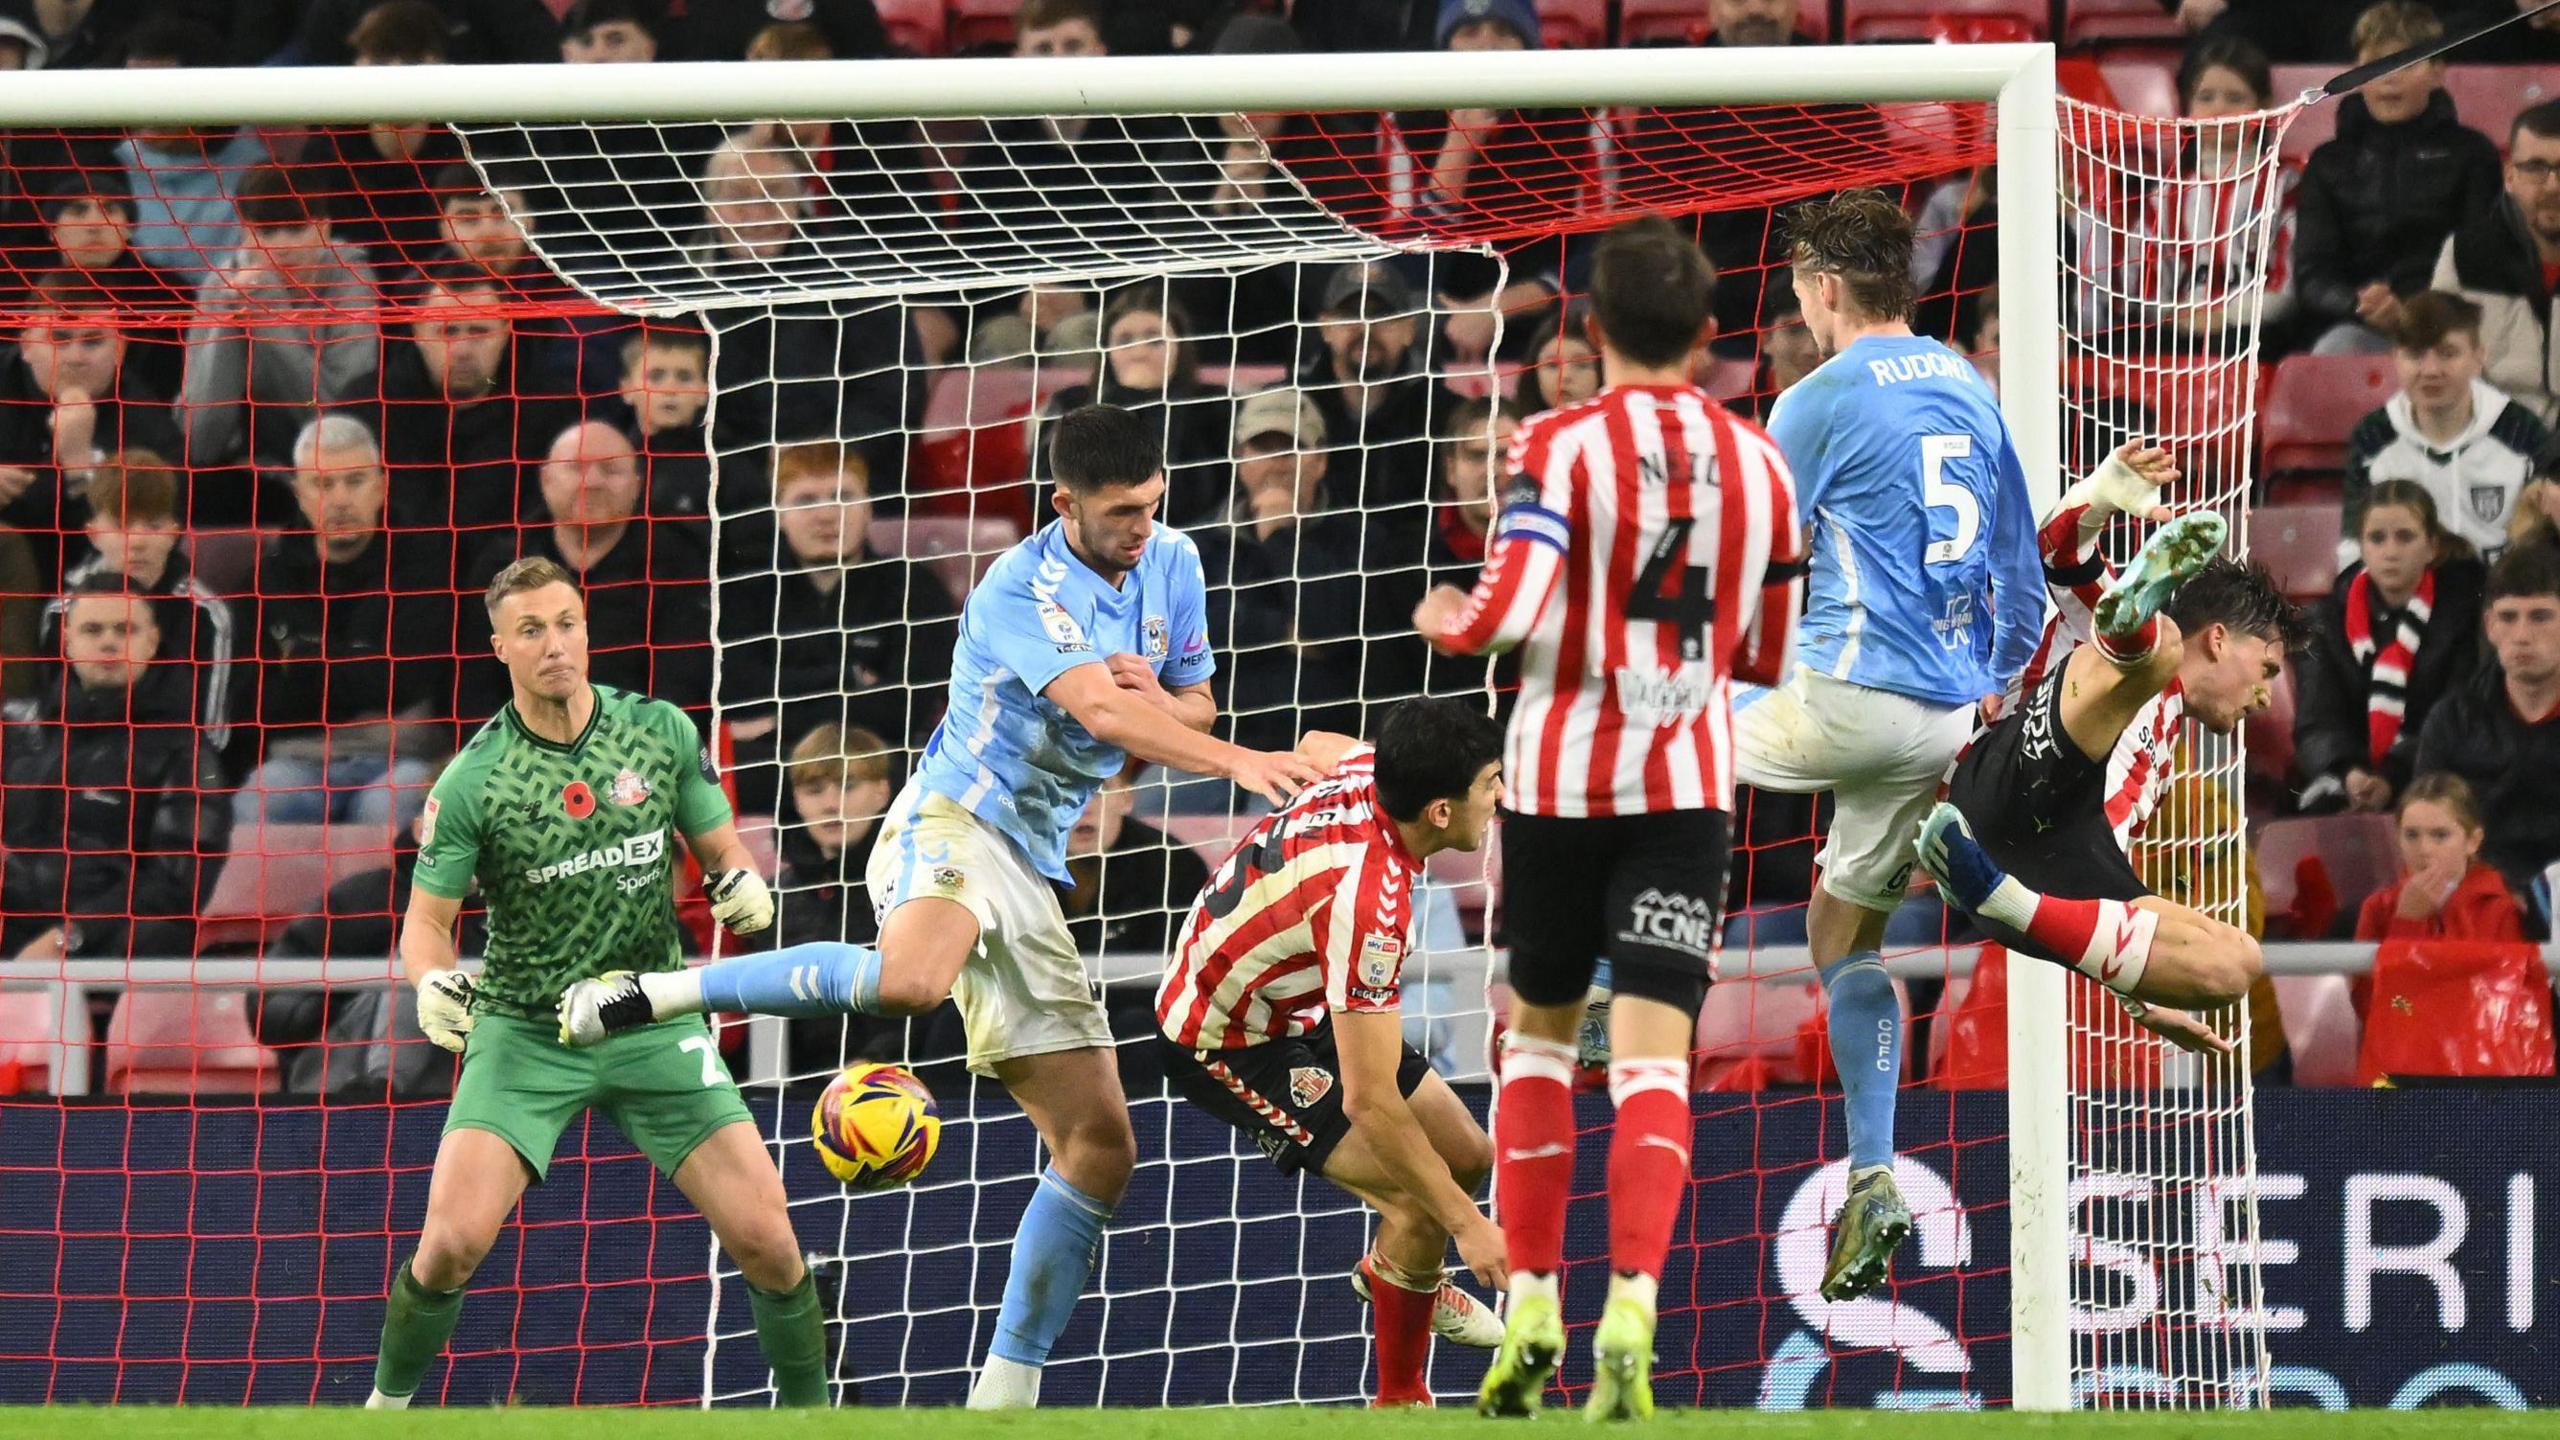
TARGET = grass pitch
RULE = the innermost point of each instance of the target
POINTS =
(1311, 1423)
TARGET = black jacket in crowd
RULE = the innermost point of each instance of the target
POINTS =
(112, 820)
(2331, 689)
(50, 513)
(649, 609)
(467, 466)
(2512, 765)
(355, 640)
(1284, 620)
(1131, 901)
(357, 1042)
(1193, 421)
(197, 667)
(2377, 201)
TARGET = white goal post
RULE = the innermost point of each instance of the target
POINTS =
(2018, 80)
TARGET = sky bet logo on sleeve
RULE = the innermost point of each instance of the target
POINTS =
(639, 850)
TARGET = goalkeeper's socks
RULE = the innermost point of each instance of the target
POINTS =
(804, 982)
(2107, 940)
(1648, 1160)
(416, 1323)
(1403, 1320)
(791, 1330)
(1533, 1149)
(1866, 1048)
(1053, 1255)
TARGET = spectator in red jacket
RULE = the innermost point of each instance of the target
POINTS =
(2445, 891)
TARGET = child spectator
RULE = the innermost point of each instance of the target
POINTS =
(2401, 631)
(2507, 261)
(666, 387)
(839, 783)
(1146, 366)
(2500, 731)
(68, 397)
(183, 178)
(2452, 432)
(254, 378)
(136, 504)
(1563, 368)
(114, 823)
(826, 630)
(2378, 201)
(2445, 890)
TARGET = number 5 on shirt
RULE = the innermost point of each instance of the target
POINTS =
(1940, 493)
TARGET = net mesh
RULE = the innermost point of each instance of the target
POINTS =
(779, 393)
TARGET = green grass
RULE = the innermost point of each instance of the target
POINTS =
(1264, 1424)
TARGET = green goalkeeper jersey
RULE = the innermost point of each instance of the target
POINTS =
(573, 845)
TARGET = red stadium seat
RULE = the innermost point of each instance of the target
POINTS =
(1864, 20)
(181, 1040)
(2314, 126)
(2321, 1030)
(2100, 22)
(223, 560)
(1574, 24)
(1747, 1033)
(2142, 86)
(1684, 22)
(2488, 97)
(957, 549)
(30, 1038)
(917, 27)
(2316, 403)
(2300, 544)
(2358, 855)
(275, 875)
(978, 26)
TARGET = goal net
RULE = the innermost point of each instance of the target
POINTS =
(778, 390)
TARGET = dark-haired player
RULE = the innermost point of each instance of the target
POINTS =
(1084, 645)
(2031, 840)
(1645, 556)
(1280, 1012)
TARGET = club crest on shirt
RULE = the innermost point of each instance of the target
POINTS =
(628, 788)
(427, 822)
(1159, 639)
(1379, 957)
(1309, 1084)
(949, 878)
(2488, 502)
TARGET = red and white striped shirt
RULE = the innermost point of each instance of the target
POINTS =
(2138, 769)
(1646, 555)
(1311, 913)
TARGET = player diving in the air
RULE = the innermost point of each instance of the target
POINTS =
(1922, 599)
(1084, 645)
(567, 809)
(2031, 841)
(1279, 1013)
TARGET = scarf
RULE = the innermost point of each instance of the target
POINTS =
(2387, 662)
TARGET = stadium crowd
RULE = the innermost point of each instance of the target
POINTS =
(275, 404)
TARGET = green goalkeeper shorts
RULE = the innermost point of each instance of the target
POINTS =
(663, 1084)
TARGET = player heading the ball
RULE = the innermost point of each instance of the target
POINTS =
(1086, 644)
(1279, 1012)
(2031, 842)
(1646, 554)
(566, 808)
(1923, 597)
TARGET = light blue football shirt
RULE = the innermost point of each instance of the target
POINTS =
(1016, 761)
(1925, 579)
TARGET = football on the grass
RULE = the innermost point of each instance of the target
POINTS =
(875, 1127)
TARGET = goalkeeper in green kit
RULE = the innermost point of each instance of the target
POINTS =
(566, 809)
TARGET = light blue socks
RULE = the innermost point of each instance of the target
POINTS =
(1866, 1046)
(805, 981)
(1053, 1255)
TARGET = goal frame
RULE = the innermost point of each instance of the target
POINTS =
(2016, 79)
